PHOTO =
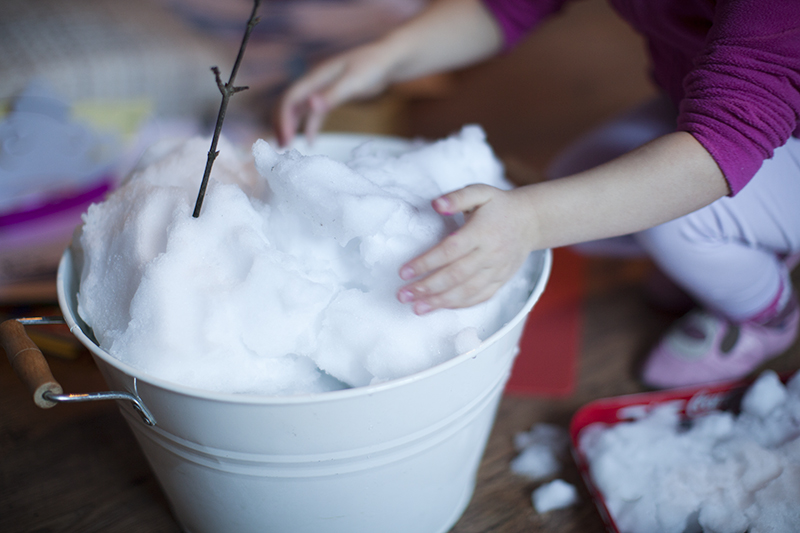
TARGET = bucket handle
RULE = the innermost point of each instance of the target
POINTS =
(32, 369)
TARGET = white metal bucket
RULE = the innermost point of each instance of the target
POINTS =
(398, 457)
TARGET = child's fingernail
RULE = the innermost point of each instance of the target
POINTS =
(421, 308)
(406, 272)
(442, 205)
(405, 296)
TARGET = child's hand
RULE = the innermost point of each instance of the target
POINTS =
(470, 265)
(359, 73)
(447, 34)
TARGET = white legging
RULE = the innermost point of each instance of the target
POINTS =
(729, 255)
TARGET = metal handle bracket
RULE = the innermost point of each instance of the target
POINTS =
(32, 369)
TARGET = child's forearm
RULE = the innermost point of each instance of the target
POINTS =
(667, 178)
(448, 34)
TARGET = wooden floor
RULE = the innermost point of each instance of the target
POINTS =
(77, 468)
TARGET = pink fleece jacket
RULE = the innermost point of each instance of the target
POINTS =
(731, 66)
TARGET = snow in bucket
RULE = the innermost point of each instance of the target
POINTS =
(285, 284)
(260, 441)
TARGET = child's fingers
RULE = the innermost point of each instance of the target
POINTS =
(454, 247)
(361, 78)
(291, 114)
(316, 81)
(464, 200)
(355, 74)
(296, 106)
(286, 121)
(452, 274)
(479, 287)
(317, 111)
(453, 277)
(455, 260)
(473, 291)
(468, 266)
(457, 245)
(348, 83)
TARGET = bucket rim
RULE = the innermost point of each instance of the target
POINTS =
(66, 273)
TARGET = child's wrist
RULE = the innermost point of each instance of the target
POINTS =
(397, 49)
(528, 219)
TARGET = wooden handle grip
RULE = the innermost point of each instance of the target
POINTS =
(28, 362)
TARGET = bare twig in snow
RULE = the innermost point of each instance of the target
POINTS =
(227, 90)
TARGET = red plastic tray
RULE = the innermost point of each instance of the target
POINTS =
(693, 402)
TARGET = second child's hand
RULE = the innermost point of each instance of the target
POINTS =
(360, 73)
(446, 35)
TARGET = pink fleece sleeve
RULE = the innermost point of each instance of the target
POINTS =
(742, 99)
(518, 17)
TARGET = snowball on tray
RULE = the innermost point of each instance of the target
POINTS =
(286, 282)
(721, 472)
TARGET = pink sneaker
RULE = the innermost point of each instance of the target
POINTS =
(705, 348)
